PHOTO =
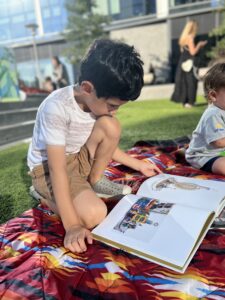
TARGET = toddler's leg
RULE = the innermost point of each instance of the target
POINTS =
(218, 166)
(101, 145)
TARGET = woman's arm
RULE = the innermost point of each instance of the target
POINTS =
(194, 49)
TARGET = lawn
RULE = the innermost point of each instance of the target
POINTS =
(140, 120)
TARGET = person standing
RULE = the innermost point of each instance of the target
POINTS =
(185, 80)
(60, 74)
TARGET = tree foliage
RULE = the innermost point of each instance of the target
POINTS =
(218, 51)
(84, 25)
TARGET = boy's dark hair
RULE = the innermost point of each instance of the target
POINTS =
(114, 68)
(214, 79)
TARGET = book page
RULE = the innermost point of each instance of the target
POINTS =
(159, 231)
(204, 194)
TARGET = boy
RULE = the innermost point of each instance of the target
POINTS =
(207, 147)
(76, 134)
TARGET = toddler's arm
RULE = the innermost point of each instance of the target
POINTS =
(219, 143)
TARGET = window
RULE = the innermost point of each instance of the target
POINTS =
(101, 7)
(28, 5)
(16, 7)
(5, 21)
(56, 11)
(18, 19)
(46, 13)
(3, 10)
(30, 16)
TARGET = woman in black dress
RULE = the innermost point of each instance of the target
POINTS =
(185, 80)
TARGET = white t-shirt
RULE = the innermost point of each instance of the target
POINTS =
(210, 128)
(59, 121)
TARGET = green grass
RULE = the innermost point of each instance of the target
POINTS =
(141, 120)
(158, 120)
(12, 99)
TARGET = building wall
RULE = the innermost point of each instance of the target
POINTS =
(150, 40)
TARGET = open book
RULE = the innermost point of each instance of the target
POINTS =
(165, 221)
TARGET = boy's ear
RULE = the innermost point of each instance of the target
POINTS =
(212, 95)
(87, 87)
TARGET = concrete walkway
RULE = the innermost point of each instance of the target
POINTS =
(162, 91)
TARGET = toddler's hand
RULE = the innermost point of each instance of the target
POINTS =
(148, 169)
(74, 239)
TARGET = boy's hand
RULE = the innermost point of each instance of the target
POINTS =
(148, 169)
(74, 239)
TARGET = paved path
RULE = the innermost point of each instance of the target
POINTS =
(162, 91)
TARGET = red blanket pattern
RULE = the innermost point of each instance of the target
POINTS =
(35, 265)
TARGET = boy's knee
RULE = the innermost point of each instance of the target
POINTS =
(96, 214)
(110, 126)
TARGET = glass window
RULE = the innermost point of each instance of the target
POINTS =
(151, 7)
(115, 6)
(26, 72)
(4, 9)
(44, 3)
(56, 25)
(101, 7)
(56, 11)
(5, 33)
(173, 3)
(28, 5)
(48, 26)
(53, 2)
(18, 19)
(4, 20)
(30, 16)
(138, 7)
(177, 6)
(122, 9)
(18, 31)
(46, 13)
(16, 7)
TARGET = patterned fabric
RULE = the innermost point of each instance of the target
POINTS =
(34, 264)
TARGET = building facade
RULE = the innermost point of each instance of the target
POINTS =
(152, 26)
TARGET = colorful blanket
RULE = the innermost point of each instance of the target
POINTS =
(34, 264)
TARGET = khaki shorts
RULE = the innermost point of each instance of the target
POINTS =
(78, 169)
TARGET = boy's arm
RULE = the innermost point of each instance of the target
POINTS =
(147, 169)
(61, 190)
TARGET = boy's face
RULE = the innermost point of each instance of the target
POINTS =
(218, 98)
(102, 106)
(98, 106)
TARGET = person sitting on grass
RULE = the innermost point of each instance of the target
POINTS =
(207, 147)
(76, 134)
